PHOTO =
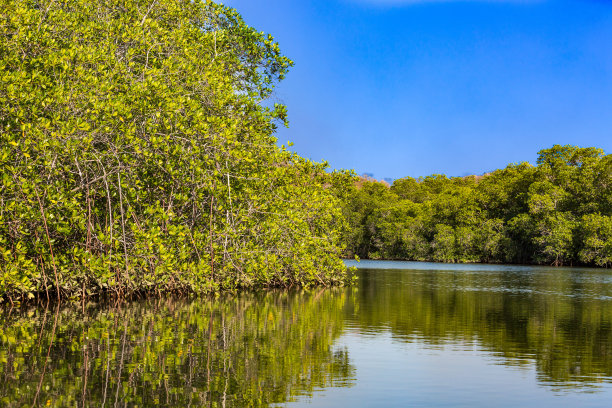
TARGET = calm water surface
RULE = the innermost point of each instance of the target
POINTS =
(407, 334)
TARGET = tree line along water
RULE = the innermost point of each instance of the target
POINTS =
(558, 212)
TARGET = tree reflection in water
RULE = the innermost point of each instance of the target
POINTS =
(247, 350)
(558, 318)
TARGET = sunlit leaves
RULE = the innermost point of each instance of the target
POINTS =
(135, 147)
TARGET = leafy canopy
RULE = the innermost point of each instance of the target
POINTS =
(137, 153)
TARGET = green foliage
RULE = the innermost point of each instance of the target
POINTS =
(137, 154)
(443, 244)
(596, 236)
(555, 213)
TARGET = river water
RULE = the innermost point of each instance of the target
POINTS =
(405, 334)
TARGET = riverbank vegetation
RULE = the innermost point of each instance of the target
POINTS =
(558, 212)
(137, 154)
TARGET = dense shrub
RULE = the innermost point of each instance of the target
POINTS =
(137, 153)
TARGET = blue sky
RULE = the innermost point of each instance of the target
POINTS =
(415, 87)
